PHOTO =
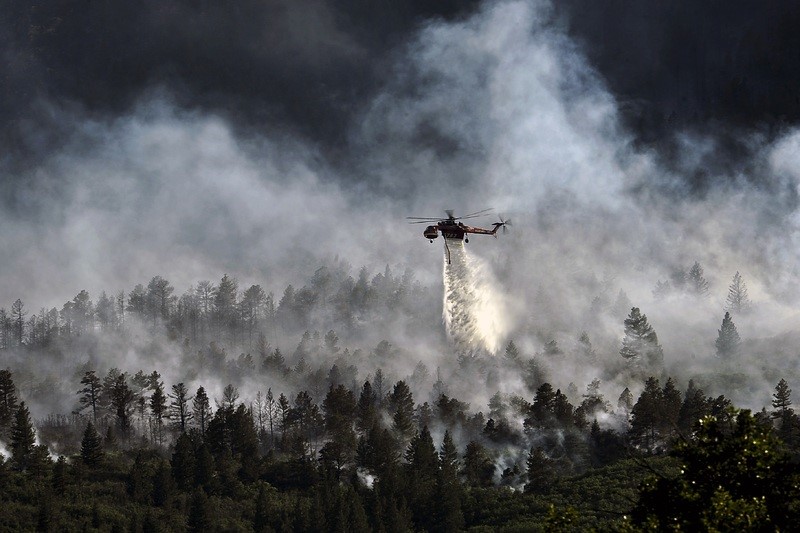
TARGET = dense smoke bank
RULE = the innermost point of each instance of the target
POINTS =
(601, 224)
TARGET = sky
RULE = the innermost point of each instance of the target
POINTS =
(188, 140)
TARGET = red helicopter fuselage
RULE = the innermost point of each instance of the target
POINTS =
(452, 229)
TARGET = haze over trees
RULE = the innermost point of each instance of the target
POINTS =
(338, 436)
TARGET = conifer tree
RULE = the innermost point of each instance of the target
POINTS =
(541, 413)
(670, 408)
(585, 349)
(423, 466)
(8, 401)
(646, 415)
(640, 344)
(158, 406)
(90, 393)
(562, 409)
(738, 301)
(593, 400)
(512, 353)
(365, 409)
(625, 401)
(183, 462)
(448, 514)
(694, 407)
(781, 402)
(179, 410)
(91, 447)
(201, 410)
(23, 438)
(122, 401)
(402, 404)
(728, 342)
(541, 474)
(695, 281)
(478, 468)
(18, 314)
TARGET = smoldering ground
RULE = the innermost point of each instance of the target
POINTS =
(499, 108)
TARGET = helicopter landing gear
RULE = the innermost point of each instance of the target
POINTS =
(431, 240)
(466, 240)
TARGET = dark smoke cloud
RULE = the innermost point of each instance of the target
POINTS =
(310, 66)
(715, 68)
(301, 64)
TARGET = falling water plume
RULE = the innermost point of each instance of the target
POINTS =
(472, 311)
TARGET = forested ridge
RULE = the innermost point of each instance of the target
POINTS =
(224, 410)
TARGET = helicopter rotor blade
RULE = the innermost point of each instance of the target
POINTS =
(478, 213)
(423, 221)
(423, 218)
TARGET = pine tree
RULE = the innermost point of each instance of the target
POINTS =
(8, 401)
(478, 468)
(593, 400)
(183, 462)
(728, 342)
(201, 410)
(23, 438)
(179, 407)
(640, 344)
(122, 403)
(781, 402)
(225, 305)
(90, 393)
(423, 466)
(541, 473)
(18, 314)
(542, 409)
(365, 410)
(625, 401)
(695, 281)
(585, 349)
(670, 408)
(448, 514)
(91, 447)
(737, 301)
(646, 416)
(694, 407)
(402, 404)
(158, 406)
(512, 353)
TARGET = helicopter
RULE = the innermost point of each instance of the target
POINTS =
(452, 227)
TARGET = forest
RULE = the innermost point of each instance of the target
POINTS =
(222, 409)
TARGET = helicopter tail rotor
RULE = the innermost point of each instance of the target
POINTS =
(505, 223)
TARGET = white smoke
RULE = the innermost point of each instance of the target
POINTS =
(473, 311)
